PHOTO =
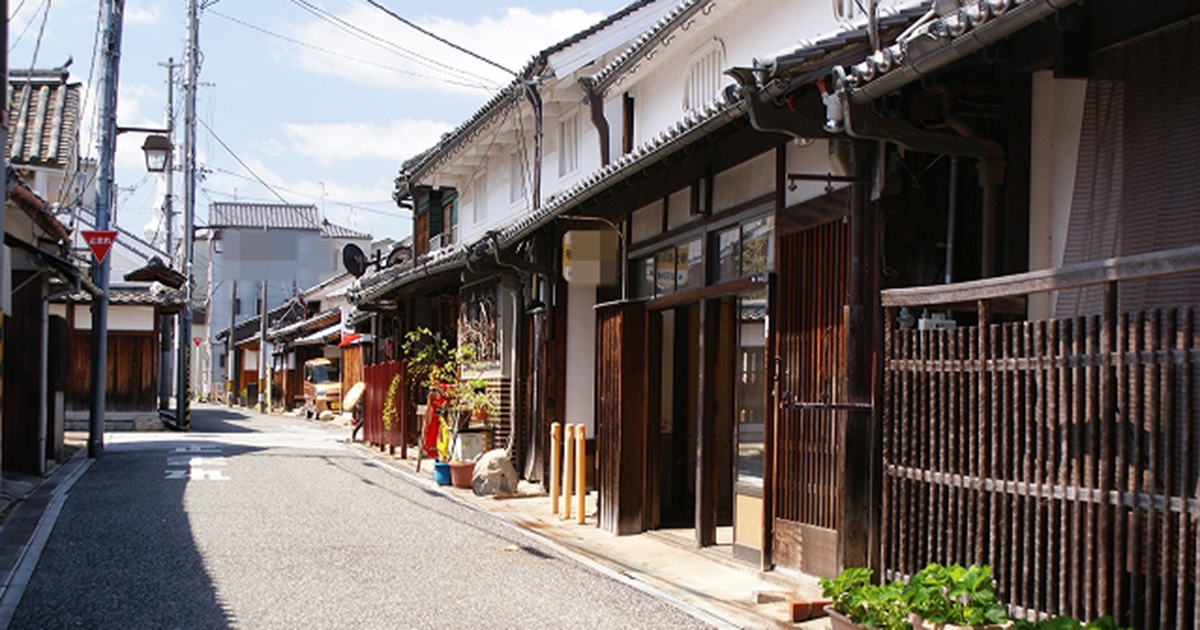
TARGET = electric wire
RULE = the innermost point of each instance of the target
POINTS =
(28, 25)
(353, 206)
(239, 160)
(348, 57)
(438, 38)
(385, 44)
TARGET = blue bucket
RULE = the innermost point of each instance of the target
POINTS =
(441, 473)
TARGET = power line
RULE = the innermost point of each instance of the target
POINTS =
(239, 160)
(352, 206)
(438, 38)
(385, 44)
(348, 57)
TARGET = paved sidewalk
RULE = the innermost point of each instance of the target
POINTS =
(720, 589)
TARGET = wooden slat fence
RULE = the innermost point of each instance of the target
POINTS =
(1063, 453)
(378, 378)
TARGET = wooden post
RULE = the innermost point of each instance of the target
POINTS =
(580, 472)
(568, 457)
(555, 457)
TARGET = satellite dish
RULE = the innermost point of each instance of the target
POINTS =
(354, 259)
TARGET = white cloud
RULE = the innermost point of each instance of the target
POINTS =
(441, 67)
(395, 141)
(135, 13)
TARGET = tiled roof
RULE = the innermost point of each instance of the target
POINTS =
(629, 58)
(286, 216)
(825, 50)
(276, 216)
(941, 39)
(135, 297)
(43, 111)
(333, 230)
(482, 118)
(693, 127)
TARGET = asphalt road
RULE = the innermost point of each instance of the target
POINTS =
(265, 522)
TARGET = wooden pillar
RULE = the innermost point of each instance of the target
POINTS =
(706, 433)
(854, 430)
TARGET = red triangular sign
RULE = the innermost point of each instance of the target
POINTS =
(197, 340)
(100, 241)
(348, 339)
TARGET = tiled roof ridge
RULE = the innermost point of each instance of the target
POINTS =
(479, 120)
(603, 79)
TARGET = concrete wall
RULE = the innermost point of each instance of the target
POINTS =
(1057, 118)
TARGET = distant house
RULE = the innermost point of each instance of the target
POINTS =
(288, 247)
(140, 359)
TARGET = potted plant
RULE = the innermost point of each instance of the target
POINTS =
(1066, 623)
(954, 598)
(859, 604)
(433, 370)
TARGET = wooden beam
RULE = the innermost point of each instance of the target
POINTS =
(1175, 261)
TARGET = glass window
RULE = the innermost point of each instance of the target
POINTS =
(728, 248)
(758, 246)
(664, 272)
(689, 260)
(643, 277)
(751, 385)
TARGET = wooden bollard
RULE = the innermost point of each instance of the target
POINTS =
(580, 472)
(555, 464)
(568, 467)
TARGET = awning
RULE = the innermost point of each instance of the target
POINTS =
(321, 337)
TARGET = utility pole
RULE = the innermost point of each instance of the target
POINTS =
(230, 381)
(113, 14)
(5, 285)
(263, 403)
(169, 329)
(183, 417)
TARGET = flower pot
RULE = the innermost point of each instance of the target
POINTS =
(921, 624)
(441, 473)
(838, 621)
(461, 473)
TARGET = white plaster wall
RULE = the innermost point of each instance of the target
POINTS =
(752, 178)
(749, 29)
(813, 160)
(581, 356)
(1057, 118)
(120, 317)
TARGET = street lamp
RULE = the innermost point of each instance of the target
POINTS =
(158, 153)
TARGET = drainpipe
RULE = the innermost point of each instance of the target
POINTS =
(44, 369)
(596, 104)
(952, 212)
(535, 100)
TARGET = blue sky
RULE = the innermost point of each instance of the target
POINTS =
(322, 115)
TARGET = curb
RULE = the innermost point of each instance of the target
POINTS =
(55, 488)
(598, 564)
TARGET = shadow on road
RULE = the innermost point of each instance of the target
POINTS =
(122, 553)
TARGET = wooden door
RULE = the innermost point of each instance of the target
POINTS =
(813, 273)
(621, 417)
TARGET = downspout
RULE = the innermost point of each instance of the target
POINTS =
(44, 369)
(862, 123)
(535, 100)
(599, 121)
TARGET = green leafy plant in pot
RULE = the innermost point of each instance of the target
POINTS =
(859, 604)
(953, 597)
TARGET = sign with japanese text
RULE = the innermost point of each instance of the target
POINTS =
(100, 242)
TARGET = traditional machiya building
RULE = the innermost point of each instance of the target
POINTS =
(892, 289)
(1022, 249)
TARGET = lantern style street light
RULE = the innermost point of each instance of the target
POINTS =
(158, 153)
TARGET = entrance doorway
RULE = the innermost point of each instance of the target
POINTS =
(708, 403)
